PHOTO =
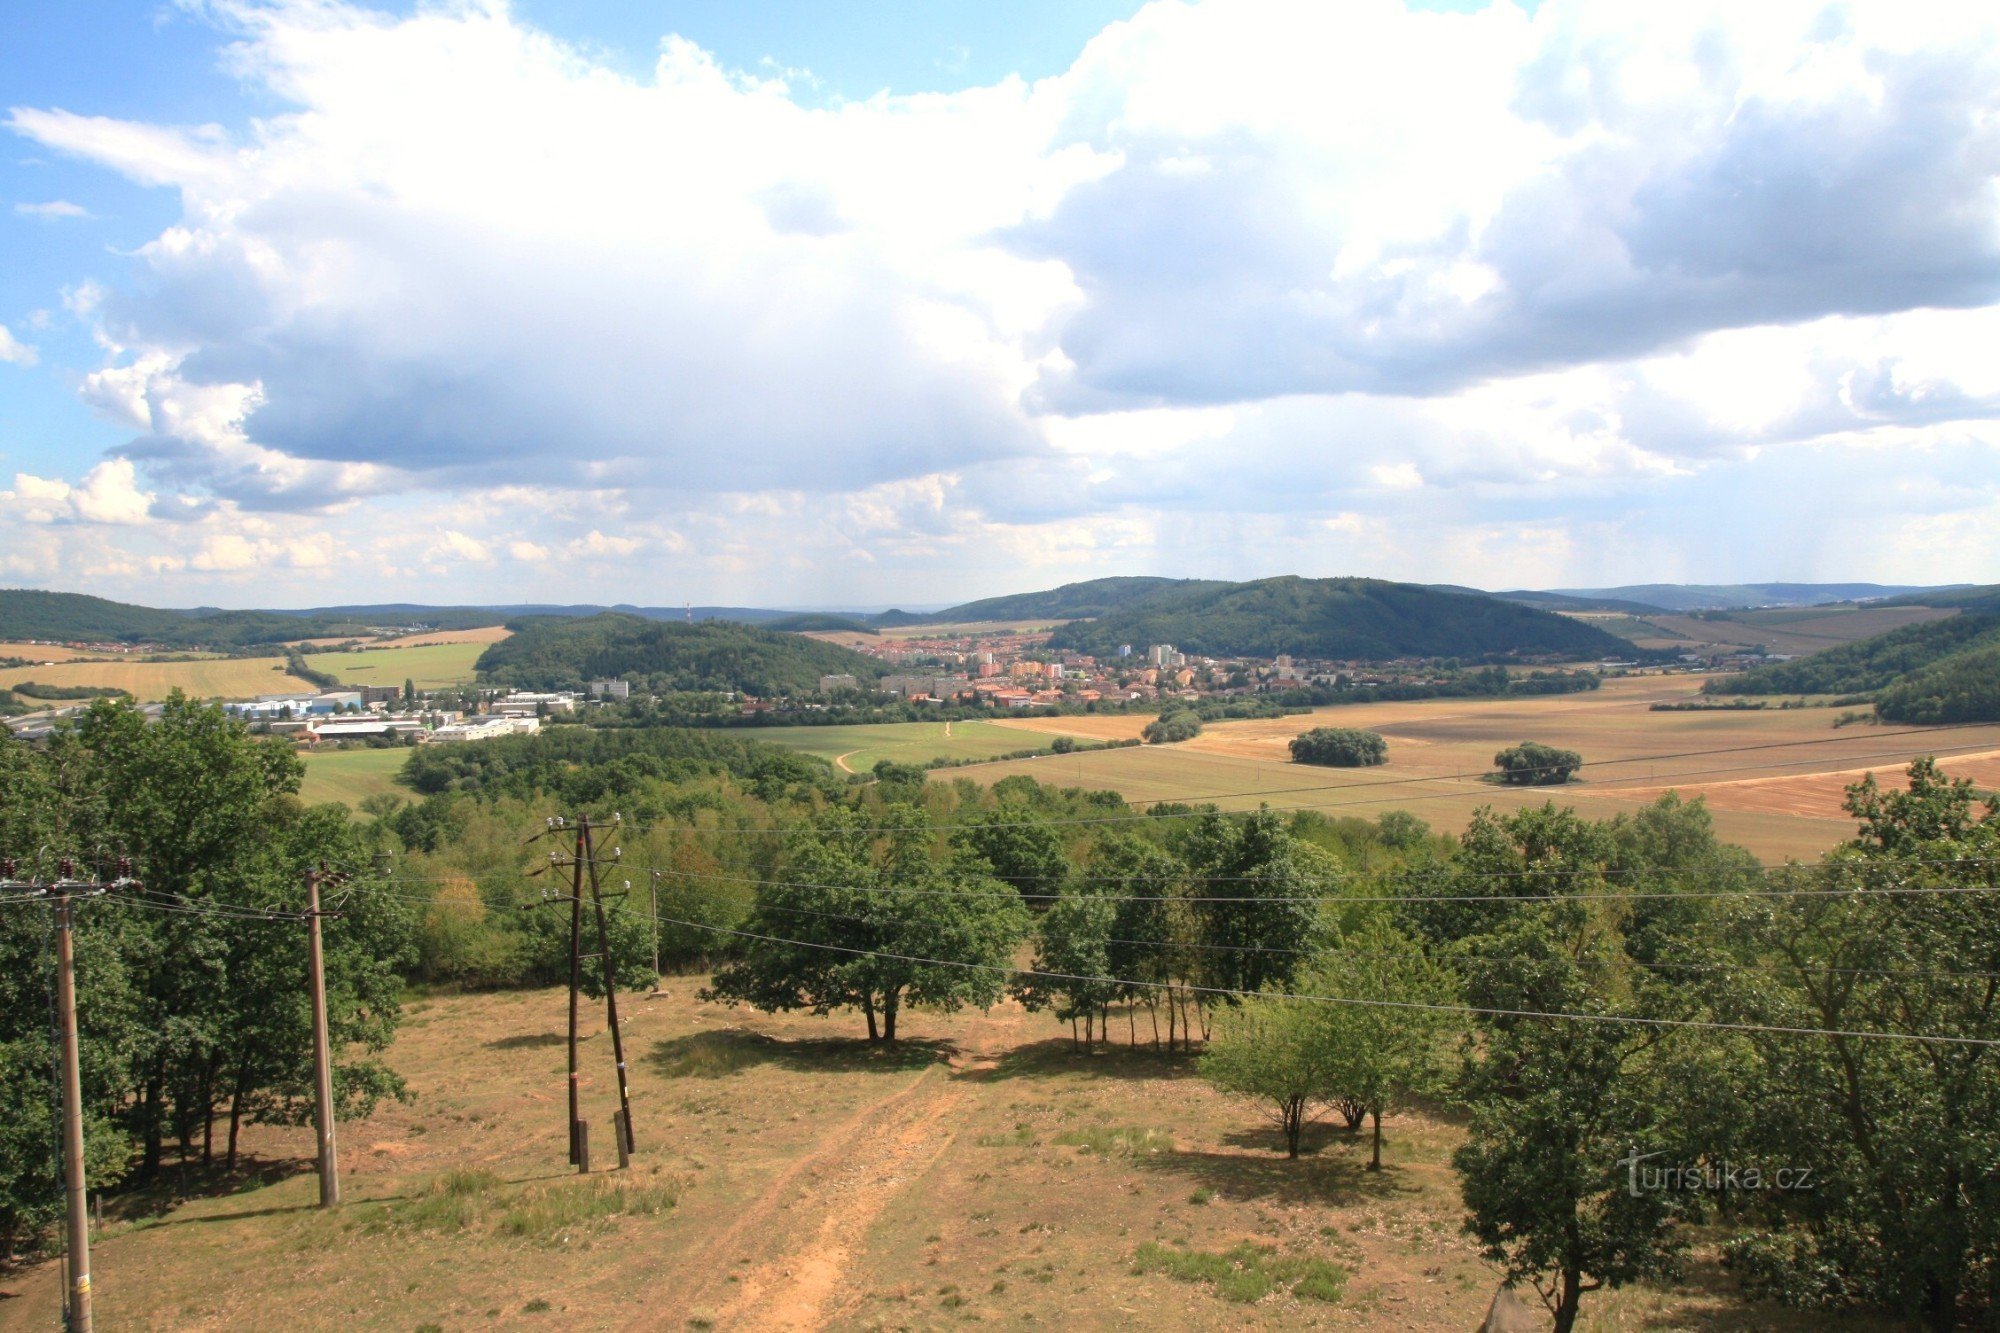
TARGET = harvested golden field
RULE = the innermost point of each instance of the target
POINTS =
(43, 652)
(790, 1177)
(484, 634)
(1440, 750)
(213, 678)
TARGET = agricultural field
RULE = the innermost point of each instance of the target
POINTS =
(44, 652)
(483, 635)
(352, 776)
(858, 749)
(1798, 630)
(211, 678)
(787, 1176)
(1780, 800)
(430, 665)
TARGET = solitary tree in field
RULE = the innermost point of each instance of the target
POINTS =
(1394, 1041)
(1272, 1051)
(1532, 764)
(856, 927)
(1339, 747)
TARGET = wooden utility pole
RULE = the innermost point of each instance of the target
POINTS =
(579, 1152)
(329, 1160)
(583, 861)
(624, 1125)
(62, 893)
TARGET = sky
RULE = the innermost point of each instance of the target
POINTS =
(309, 302)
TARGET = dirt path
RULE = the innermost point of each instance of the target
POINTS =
(798, 1290)
(811, 1223)
(840, 761)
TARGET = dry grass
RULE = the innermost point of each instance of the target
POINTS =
(429, 665)
(214, 678)
(1439, 749)
(483, 635)
(789, 1177)
(43, 652)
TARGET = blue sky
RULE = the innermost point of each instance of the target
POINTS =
(798, 303)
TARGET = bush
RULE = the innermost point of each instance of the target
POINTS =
(1532, 764)
(1339, 747)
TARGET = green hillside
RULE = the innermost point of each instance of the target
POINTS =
(1360, 619)
(1866, 665)
(667, 656)
(1072, 601)
(69, 617)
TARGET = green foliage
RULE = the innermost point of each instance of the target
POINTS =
(1072, 601)
(1180, 724)
(191, 1008)
(1964, 687)
(1339, 747)
(585, 766)
(1532, 764)
(1903, 1210)
(875, 928)
(551, 653)
(1353, 619)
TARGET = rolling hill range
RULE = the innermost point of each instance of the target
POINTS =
(558, 653)
(1940, 671)
(1362, 619)
(1727, 596)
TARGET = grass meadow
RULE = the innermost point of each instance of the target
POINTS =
(353, 775)
(787, 1176)
(429, 665)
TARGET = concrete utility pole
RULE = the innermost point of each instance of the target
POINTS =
(654, 888)
(62, 892)
(329, 1161)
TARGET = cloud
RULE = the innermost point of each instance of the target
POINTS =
(15, 351)
(52, 211)
(1252, 286)
(108, 494)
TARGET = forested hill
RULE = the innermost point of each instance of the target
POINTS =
(1072, 601)
(69, 617)
(665, 656)
(1937, 671)
(1362, 619)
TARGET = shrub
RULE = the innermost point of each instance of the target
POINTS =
(1339, 747)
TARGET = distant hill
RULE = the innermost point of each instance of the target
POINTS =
(1985, 598)
(1072, 601)
(1363, 619)
(1730, 596)
(74, 617)
(565, 652)
(1937, 671)
(817, 622)
(1556, 601)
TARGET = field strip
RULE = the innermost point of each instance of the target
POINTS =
(838, 1151)
(1659, 788)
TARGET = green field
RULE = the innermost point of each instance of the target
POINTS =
(430, 665)
(352, 775)
(857, 749)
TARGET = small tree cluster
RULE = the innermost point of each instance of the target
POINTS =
(1340, 747)
(1532, 764)
(1180, 725)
